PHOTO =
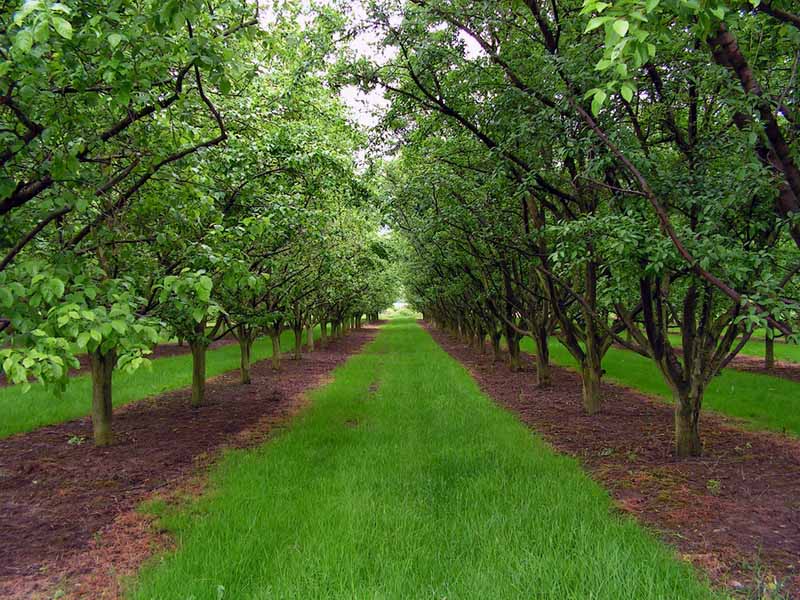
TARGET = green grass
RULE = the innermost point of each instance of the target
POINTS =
(755, 347)
(20, 412)
(763, 402)
(402, 480)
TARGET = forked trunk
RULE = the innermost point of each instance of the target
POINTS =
(298, 343)
(276, 351)
(687, 423)
(102, 366)
(310, 338)
(198, 371)
(245, 347)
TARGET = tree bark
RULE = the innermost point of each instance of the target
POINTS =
(298, 343)
(198, 371)
(496, 351)
(276, 351)
(687, 424)
(323, 333)
(769, 350)
(245, 346)
(543, 374)
(310, 338)
(514, 361)
(590, 386)
(102, 366)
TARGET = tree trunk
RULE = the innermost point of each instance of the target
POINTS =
(198, 371)
(323, 333)
(514, 362)
(687, 424)
(496, 351)
(298, 343)
(245, 346)
(769, 350)
(543, 374)
(276, 351)
(102, 366)
(591, 373)
(310, 338)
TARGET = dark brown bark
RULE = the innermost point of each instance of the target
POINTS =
(245, 347)
(687, 424)
(198, 347)
(102, 367)
(769, 350)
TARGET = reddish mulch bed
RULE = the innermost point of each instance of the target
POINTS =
(160, 351)
(735, 512)
(753, 364)
(66, 510)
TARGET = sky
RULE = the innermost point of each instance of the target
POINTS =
(365, 108)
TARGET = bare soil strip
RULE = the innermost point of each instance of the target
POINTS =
(735, 512)
(68, 510)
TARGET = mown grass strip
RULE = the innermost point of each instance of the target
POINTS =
(20, 412)
(761, 401)
(402, 480)
(756, 347)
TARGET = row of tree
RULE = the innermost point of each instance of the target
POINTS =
(175, 169)
(621, 172)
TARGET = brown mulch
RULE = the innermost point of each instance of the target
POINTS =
(68, 511)
(160, 351)
(753, 364)
(735, 512)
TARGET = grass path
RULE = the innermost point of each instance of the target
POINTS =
(403, 480)
(38, 407)
(762, 401)
(756, 347)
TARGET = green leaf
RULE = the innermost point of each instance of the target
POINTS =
(627, 92)
(597, 102)
(83, 339)
(6, 299)
(114, 40)
(198, 314)
(57, 287)
(595, 22)
(621, 27)
(718, 12)
(23, 41)
(119, 326)
(62, 27)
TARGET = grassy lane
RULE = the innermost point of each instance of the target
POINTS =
(404, 481)
(755, 347)
(25, 412)
(763, 402)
